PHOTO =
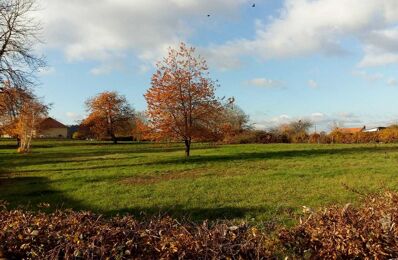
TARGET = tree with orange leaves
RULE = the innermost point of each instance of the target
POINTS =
(32, 114)
(12, 100)
(141, 130)
(110, 115)
(20, 114)
(181, 100)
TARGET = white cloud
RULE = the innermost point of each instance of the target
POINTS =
(264, 83)
(375, 77)
(305, 27)
(109, 30)
(106, 68)
(392, 82)
(46, 71)
(105, 30)
(381, 48)
(74, 116)
(322, 121)
(313, 84)
(368, 76)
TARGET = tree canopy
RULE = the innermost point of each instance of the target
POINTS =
(110, 115)
(181, 100)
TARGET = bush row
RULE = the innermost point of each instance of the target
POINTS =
(389, 135)
(369, 231)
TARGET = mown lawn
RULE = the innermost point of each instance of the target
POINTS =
(252, 182)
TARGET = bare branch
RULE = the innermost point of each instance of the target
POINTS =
(18, 33)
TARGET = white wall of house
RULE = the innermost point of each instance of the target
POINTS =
(54, 133)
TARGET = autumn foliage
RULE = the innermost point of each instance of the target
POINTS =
(181, 100)
(83, 235)
(368, 231)
(388, 135)
(110, 116)
(141, 130)
(20, 114)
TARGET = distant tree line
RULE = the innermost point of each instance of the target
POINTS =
(288, 133)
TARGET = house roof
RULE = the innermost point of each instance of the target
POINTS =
(375, 129)
(351, 130)
(51, 123)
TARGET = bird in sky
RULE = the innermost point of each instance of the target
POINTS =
(254, 5)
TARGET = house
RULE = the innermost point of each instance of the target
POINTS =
(352, 130)
(51, 128)
(375, 129)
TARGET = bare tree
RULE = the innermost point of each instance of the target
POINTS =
(18, 34)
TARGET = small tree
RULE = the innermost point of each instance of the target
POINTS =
(32, 113)
(109, 115)
(235, 120)
(295, 131)
(181, 100)
(12, 102)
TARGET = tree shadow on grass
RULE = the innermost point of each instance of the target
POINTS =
(204, 159)
(10, 160)
(199, 214)
(285, 154)
(28, 192)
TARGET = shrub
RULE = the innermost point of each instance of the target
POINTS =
(83, 235)
(314, 138)
(389, 135)
(370, 231)
(366, 232)
(257, 136)
(77, 135)
(301, 137)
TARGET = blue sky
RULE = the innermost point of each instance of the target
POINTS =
(330, 61)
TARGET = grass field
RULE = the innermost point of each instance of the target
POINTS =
(252, 182)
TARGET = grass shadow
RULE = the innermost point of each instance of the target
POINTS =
(199, 214)
(205, 159)
(28, 192)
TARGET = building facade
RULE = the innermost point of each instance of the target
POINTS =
(51, 128)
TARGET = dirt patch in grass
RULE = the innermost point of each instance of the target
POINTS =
(178, 175)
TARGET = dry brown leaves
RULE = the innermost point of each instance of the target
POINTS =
(369, 231)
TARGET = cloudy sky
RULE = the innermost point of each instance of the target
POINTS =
(325, 60)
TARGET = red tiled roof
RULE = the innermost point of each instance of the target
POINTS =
(51, 123)
(350, 130)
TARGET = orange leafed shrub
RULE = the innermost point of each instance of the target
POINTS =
(369, 231)
(389, 135)
(83, 235)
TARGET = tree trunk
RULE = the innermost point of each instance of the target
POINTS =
(114, 139)
(187, 147)
(18, 142)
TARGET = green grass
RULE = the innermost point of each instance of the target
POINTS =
(252, 182)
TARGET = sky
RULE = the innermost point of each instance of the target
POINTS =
(329, 61)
